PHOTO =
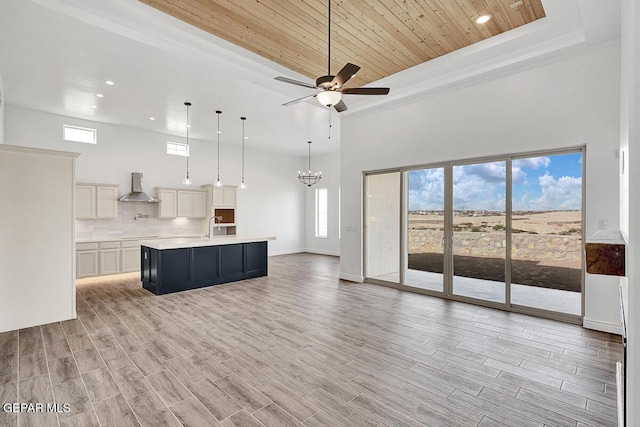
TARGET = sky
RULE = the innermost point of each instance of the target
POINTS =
(539, 184)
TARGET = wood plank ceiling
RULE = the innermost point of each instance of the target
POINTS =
(381, 36)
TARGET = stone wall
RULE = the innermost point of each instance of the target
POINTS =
(556, 248)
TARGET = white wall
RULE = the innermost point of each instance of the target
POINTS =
(565, 102)
(272, 205)
(630, 196)
(37, 274)
(1, 112)
(329, 165)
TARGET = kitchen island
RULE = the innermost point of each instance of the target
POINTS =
(173, 265)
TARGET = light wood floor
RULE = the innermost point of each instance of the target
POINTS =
(302, 348)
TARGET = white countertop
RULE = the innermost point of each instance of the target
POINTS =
(613, 237)
(192, 242)
(119, 238)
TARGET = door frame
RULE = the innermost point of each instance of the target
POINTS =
(448, 250)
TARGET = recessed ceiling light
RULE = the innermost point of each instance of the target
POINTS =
(109, 82)
(483, 19)
(152, 118)
(99, 95)
(246, 137)
(94, 106)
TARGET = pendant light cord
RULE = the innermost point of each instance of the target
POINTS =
(309, 157)
(218, 113)
(188, 153)
(243, 119)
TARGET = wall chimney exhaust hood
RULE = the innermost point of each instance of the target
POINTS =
(137, 194)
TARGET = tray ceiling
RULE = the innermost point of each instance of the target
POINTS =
(382, 36)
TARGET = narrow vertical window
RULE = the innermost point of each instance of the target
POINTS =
(321, 212)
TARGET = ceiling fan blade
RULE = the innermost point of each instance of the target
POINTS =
(300, 99)
(340, 106)
(295, 82)
(366, 91)
(345, 74)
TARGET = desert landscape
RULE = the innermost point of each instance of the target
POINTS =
(533, 222)
(546, 246)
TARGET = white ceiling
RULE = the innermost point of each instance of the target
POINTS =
(56, 54)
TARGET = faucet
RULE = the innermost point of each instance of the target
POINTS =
(214, 218)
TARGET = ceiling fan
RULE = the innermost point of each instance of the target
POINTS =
(331, 87)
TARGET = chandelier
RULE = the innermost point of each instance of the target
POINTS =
(309, 178)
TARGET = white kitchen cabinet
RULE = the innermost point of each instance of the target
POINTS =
(130, 258)
(109, 257)
(192, 204)
(86, 263)
(96, 201)
(85, 201)
(106, 202)
(224, 196)
(168, 203)
(182, 203)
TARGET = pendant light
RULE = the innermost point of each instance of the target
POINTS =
(218, 183)
(187, 180)
(243, 186)
(309, 178)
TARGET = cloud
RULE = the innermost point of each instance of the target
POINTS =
(482, 187)
(519, 176)
(426, 189)
(564, 193)
(532, 162)
(487, 172)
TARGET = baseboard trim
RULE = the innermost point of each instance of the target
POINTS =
(286, 252)
(597, 325)
(351, 278)
(322, 252)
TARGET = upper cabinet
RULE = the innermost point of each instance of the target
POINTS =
(192, 204)
(168, 203)
(96, 201)
(181, 203)
(224, 196)
(85, 201)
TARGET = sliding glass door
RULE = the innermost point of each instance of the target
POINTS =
(504, 232)
(479, 224)
(382, 228)
(425, 224)
(546, 250)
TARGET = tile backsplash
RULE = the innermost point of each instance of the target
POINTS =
(126, 226)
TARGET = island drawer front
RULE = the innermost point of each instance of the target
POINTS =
(130, 243)
(86, 246)
(109, 245)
